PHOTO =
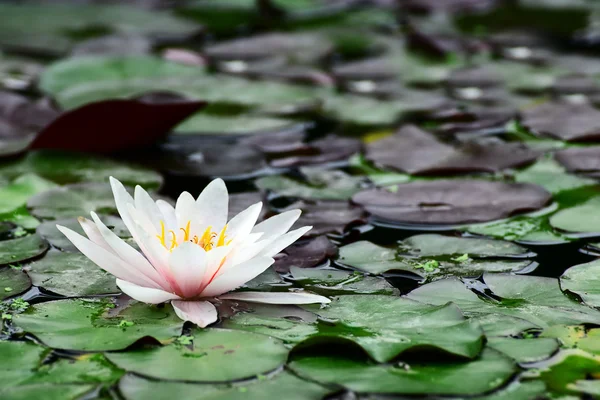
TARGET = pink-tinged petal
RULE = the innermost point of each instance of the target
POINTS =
(188, 265)
(201, 313)
(122, 199)
(284, 241)
(168, 213)
(240, 226)
(141, 222)
(237, 276)
(93, 233)
(216, 259)
(105, 259)
(213, 205)
(145, 294)
(147, 206)
(129, 254)
(276, 297)
(277, 225)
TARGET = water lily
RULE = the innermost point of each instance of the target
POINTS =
(191, 254)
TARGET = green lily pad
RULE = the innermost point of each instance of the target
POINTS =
(568, 367)
(71, 201)
(552, 176)
(331, 282)
(201, 124)
(545, 306)
(576, 337)
(527, 390)
(524, 350)
(583, 280)
(15, 194)
(435, 257)
(405, 324)
(320, 185)
(579, 219)
(56, 238)
(23, 374)
(22, 249)
(217, 355)
(91, 325)
(491, 370)
(529, 229)
(504, 325)
(584, 386)
(62, 167)
(135, 388)
(71, 274)
(14, 281)
(54, 28)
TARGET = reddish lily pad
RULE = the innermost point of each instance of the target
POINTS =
(330, 148)
(563, 120)
(457, 201)
(580, 159)
(327, 216)
(114, 125)
(305, 254)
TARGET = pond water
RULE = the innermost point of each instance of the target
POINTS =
(446, 154)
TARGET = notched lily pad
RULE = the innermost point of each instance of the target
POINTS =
(445, 202)
(96, 325)
(217, 355)
(491, 370)
(564, 121)
(71, 274)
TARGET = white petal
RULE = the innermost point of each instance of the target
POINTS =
(187, 211)
(241, 225)
(201, 313)
(188, 265)
(237, 276)
(276, 297)
(278, 224)
(168, 212)
(144, 294)
(212, 205)
(284, 241)
(147, 206)
(129, 254)
(105, 259)
(217, 259)
(92, 232)
(122, 199)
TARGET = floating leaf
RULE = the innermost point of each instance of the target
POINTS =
(22, 249)
(525, 350)
(14, 281)
(584, 281)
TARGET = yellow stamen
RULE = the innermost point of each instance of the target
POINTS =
(173, 240)
(221, 241)
(186, 231)
(205, 240)
(161, 237)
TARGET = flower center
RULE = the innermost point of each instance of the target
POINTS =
(208, 240)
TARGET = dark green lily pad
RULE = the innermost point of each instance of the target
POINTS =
(206, 124)
(52, 28)
(575, 336)
(579, 219)
(457, 201)
(62, 168)
(72, 201)
(91, 325)
(331, 282)
(524, 350)
(22, 249)
(584, 281)
(366, 319)
(435, 256)
(568, 367)
(584, 386)
(527, 390)
(217, 355)
(545, 306)
(320, 185)
(25, 377)
(491, 370)
(136, 388)
(71, 274)
(14, 281)
(56, 238)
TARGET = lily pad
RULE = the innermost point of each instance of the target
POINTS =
(217, 355)
(488, 372)
(206, 124)
(583, 160)
(457, 201)
(22, 249)
(568, 367)
(71, 274)
(74, 200)
(331, 282)
(525, 350)
(552, 176)
(305, 254)
(51, 28)
(326, 150)
(563, 120)
(136, 388)
(579, 219)
(89, 325)
(327, 217)
(583, 280)
(14, 281)
(61, 167)
(15, 194)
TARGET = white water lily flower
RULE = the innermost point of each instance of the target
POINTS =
(190, 252)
